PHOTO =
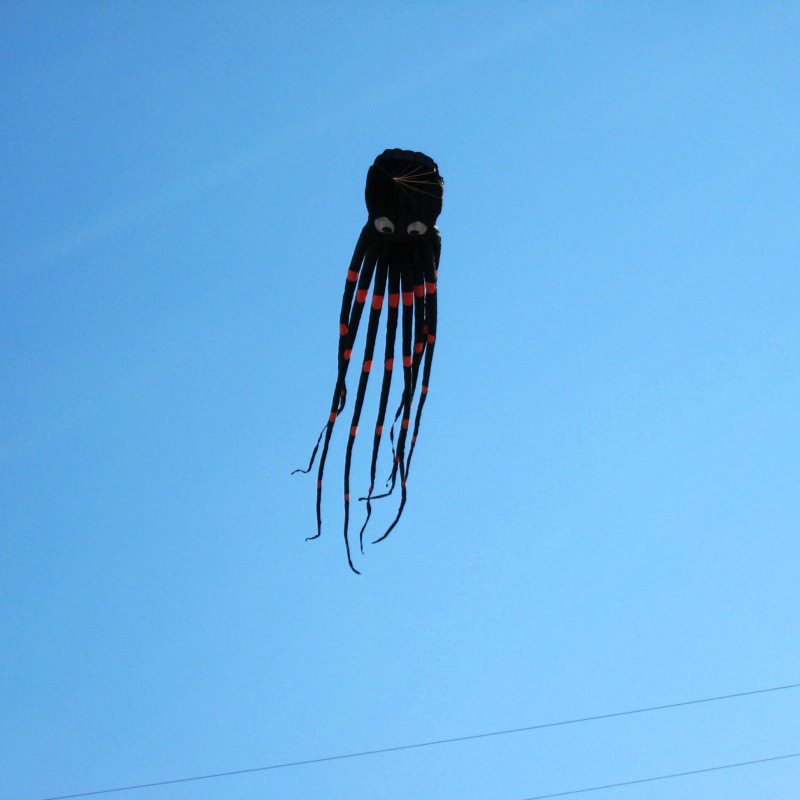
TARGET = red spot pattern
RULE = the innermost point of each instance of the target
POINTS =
(418, 347)
(367, 366)
(354, 430)
(424, 389)
(347, 354)
(378, 432)
(394, 300)
(361, 295)
(389, 364)
(333, 416)
(352, 275)
(405, 424)
(408, 298)
(377, 301)
(430, 288)
(406, 361)
(343, 330)
(419, 290)
(431, 338)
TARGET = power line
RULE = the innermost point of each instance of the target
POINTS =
(397, 748)
(663, 777)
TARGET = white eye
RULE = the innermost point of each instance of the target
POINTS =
(384, 225)
(417, 228)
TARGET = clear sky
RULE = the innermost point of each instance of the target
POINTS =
(605, 503)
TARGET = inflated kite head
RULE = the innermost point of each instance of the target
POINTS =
(404, 195)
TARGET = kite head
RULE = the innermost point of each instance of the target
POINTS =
(404, 195)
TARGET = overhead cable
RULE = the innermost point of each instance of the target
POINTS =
(663, 777)
(452, 740)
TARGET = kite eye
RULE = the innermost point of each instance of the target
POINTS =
(384, 225)
(417, 228)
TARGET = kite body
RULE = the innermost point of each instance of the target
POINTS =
(397, 255)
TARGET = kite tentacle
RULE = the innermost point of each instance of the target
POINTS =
(347, 299)
(357, 283)
(431, 313)
(388, 367)
(407, 280)
(429, 303)
(369, 348)
(420, 341)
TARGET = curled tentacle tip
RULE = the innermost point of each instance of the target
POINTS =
(381, 538)
(315, 536)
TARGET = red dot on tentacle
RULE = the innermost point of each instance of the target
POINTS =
(405, 424)
(406, 361)
(333, 416)
(347, 497)
(354, 430)
(408, 298)
(430, 288)
(367, 366)
(424, 389)
(361, 295)
(418, 347)
(389, 363)
(377, 301)
(347, 354)
(403, 484)
(413, 439)
(378, 432)
(397, 459)
(342, 330)
(319, 484)
(431, 338)
(394, 300)
(419, 290)
(352, 275)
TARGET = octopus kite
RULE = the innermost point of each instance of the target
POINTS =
(399, 248)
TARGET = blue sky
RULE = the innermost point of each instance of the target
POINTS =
(603, 512)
